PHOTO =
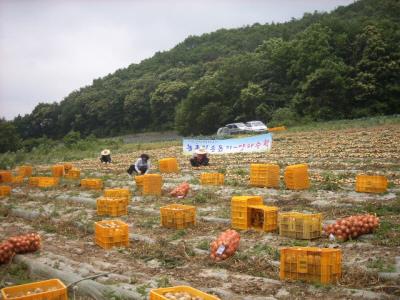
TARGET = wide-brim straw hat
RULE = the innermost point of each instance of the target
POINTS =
(201, 151)
(105, 152)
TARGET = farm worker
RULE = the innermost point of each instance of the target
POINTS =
(141, 166)
(105, 156)
(199, 158)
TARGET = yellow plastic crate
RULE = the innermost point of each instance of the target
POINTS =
(45, 182)
(212, 178)
(5, 176)
(5, 190)
(311, 264)
(113, 207)
(139, 181)
(371, 183)
(52, 289)
(178, 216)
(158, 294)
(25, 171)
(168, 165)
(122, 193)
(34, 181)
(296, 177)
(68, 167)
(73, 174)
(152, 184)
(111, 233)
(92, 183)
(263, 218)
(280, 128)
(264, 175)
(239, 210)
(18, 179)
(300, 226)
(57, 170)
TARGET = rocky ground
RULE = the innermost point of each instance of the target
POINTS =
(157, 256)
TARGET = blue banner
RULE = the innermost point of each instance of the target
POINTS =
(256, 143)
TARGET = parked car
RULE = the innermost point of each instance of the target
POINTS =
(233, 128)
(256, 126)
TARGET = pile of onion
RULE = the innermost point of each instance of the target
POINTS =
(352, 227)
(6, 252)
(25, 243)
(225, 245)
(181, 190)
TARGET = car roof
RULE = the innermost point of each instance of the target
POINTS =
(240, 123)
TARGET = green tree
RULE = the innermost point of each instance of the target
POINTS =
(251, 98)
(9, 138)
(376, 85)
(164, 100)
(324, 94)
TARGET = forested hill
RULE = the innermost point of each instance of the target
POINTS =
(342, 64)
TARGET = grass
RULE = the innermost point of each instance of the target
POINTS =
(163, 282)
(56, 151)
(203, 245)
(201, 197)
(142, 290)
(264, 249)
(387, 234)
(178, 234)
(348, 123)
(381, 265)
(17, 273)
(330, 181)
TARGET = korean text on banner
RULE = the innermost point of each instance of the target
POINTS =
(257, 143)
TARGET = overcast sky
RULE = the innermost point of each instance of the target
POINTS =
(49, 48)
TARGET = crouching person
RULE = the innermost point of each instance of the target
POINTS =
(141, 166)
(199, 158)
(105, 156)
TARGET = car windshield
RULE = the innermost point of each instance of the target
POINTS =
(240, 125)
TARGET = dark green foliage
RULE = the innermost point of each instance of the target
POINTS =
(72, 138)
(344, 64)
(9, 138)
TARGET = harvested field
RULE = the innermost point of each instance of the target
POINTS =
(157, 256)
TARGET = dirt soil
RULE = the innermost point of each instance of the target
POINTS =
(160, 256)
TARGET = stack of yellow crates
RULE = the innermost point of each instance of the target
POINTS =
(300, 226)
(212, 178)
(296, 177)
(168, 165)
(264, 175)
(249, 212)
(371, 184)
(152, 184)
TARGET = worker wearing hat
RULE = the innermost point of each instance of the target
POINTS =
(199, 158)
(141, 166)
(105, 156)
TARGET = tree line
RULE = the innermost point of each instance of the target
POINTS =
(324, 66)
